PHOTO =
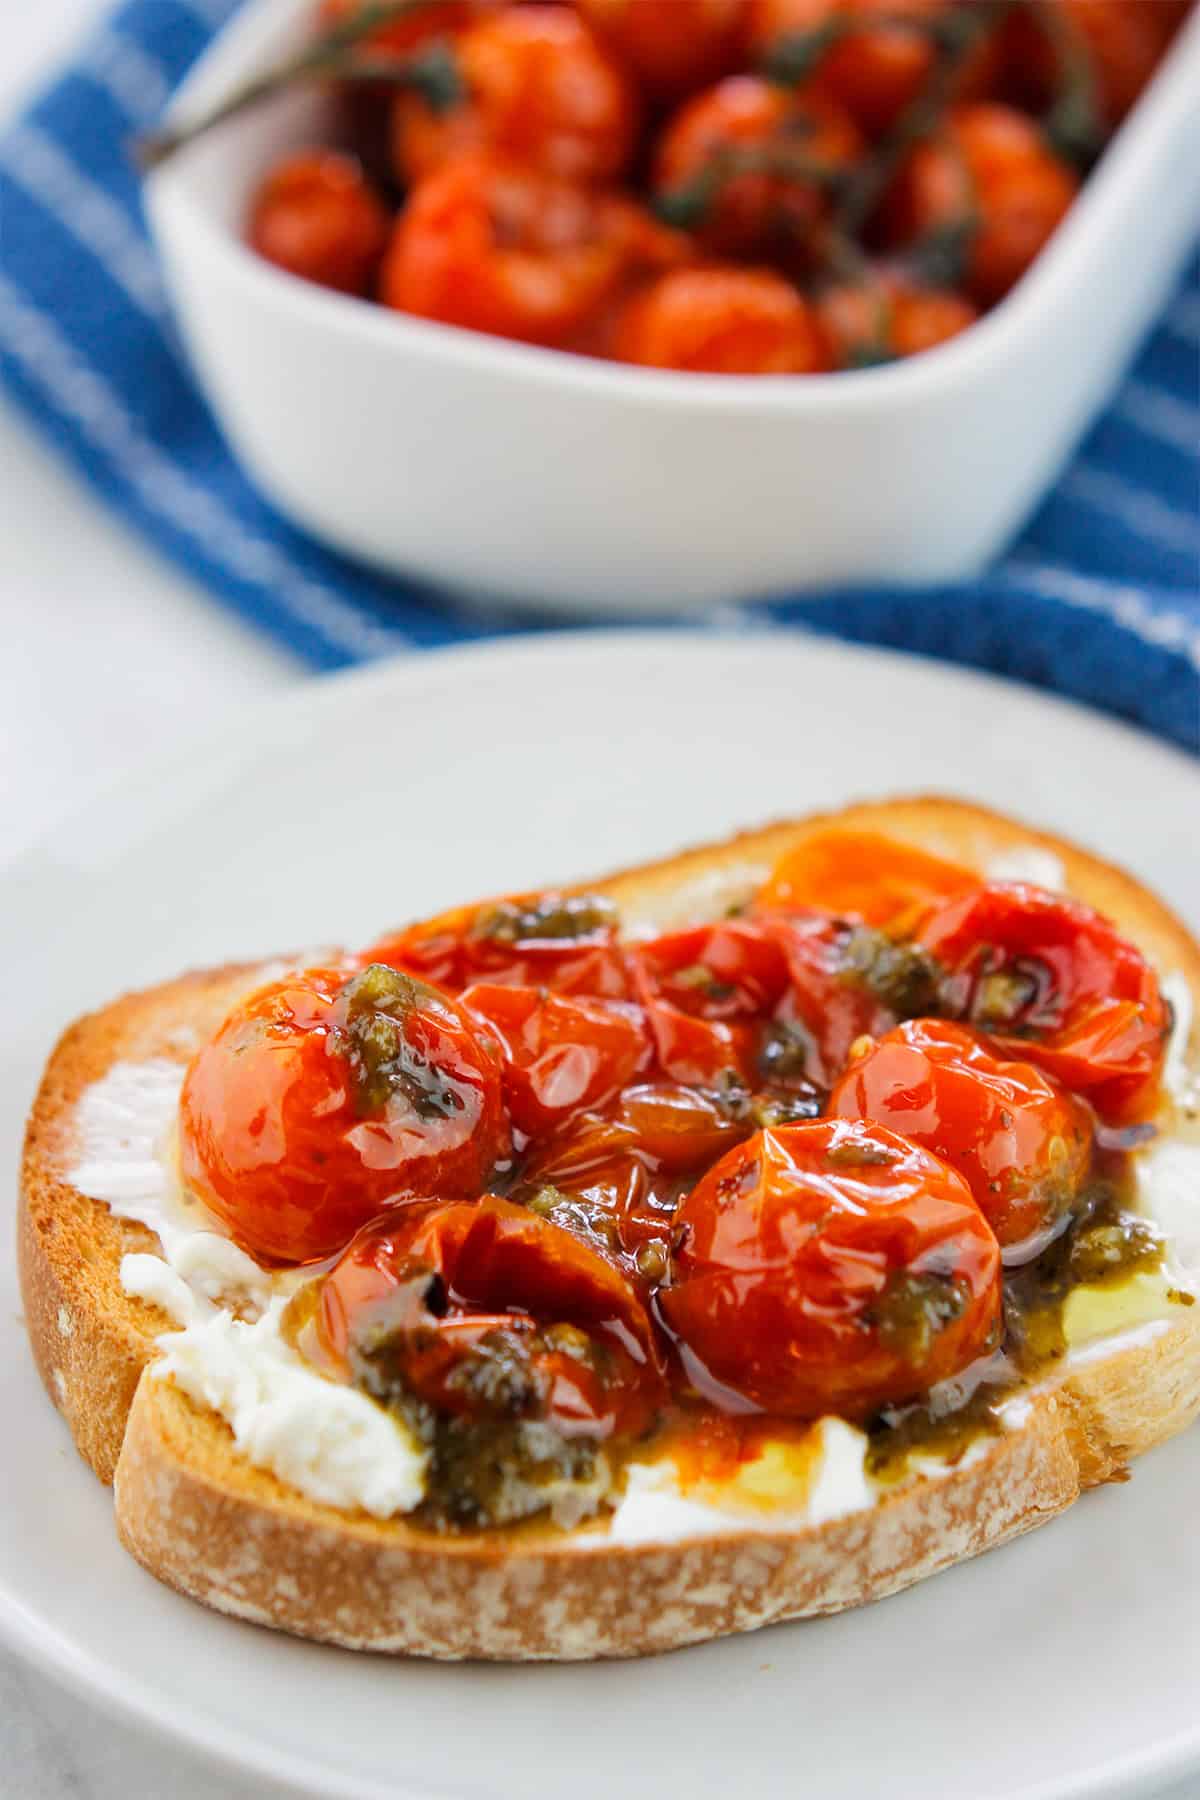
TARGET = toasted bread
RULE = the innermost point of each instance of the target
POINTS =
(201, 1517)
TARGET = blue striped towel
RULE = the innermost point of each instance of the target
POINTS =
(1100, 598)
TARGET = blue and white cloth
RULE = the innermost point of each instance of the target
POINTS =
(1100, 598)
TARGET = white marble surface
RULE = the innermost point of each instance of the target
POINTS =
(106, 655)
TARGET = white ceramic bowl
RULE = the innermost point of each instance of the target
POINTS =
(541, 478)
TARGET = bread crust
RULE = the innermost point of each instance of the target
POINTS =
(201, 1518)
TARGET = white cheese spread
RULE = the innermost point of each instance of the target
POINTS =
(329, 1441)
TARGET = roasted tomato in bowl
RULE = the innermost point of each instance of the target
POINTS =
(853, 181)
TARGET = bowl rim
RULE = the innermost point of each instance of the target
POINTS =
(1165, 108)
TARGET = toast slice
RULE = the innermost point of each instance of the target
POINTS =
(198, 1515)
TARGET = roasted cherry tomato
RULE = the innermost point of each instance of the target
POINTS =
(323, 1097)
(565, 942)
(704, 991)
(845, 982)
(673, 1129)
(742, 164)
(1022, 1145)
(720, 321)
(862, 875)
(317, 216)
(924, 317)
(991, 174)
(536, 87)
(485, 1308)
(440, 18)
(888, 316)
(1052, 982)
(616, 1176)
(612, 1198)
(831, 1267)
(671, 46)
(1120, 42)
(508, 250)
(559, 1055)
(873, 65)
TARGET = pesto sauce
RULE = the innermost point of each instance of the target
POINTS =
(1104, 1243)
(499, 1463)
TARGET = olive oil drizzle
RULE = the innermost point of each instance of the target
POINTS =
(488, 1475)
(1104, 1243)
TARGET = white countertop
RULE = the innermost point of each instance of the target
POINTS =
(106, 655)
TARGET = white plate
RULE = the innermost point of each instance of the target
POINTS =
(1060, 1666)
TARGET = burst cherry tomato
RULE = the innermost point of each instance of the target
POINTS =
(991, 173)
(700, 164)
(672, 46)
(924, 317)
(506, 250)
(1122, 41)
(616, 1176)
(878, 55)
(888, 316)
(565, 942)
(671, 1128)
(875, 67)
(829, 1004)
(1022, 1145)
(862, 875)
(560, 1055)
(437, 1294)
(704, 990)
(538, 87)
(831, 1267)
(317, 217)
(720, 321)
(322, 1098)
(1054, 983)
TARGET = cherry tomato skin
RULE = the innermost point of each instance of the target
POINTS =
(861, 875)
(923, 318)
(992, 164)
(272, 1139)
(791, 1248)
(507, 250)
(316, 216)
(753, 211)
(1123, 40)
(667, 1126)
(539, 88)
(623, 1169)
(731, 970)
(671, 46)
(875, 321)
(1076, 997)
(704, 990)
(880, 56)
(457, 948)
(1022, 1145)
(616, 1198)
(832, 1010)
(876, 69)
(720, 321)
(560, 1055)
(501, 1267)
